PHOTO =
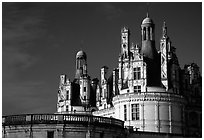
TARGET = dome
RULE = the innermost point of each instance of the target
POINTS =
(81, 54)
(147, 20)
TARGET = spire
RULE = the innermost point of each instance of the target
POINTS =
(164, 29)
(147, 14)
(147, 10)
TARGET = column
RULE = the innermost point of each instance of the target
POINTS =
(151, 34)
(147, 33)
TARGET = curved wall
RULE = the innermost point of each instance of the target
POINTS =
(158, 111)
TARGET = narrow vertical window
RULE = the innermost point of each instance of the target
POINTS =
(144, 33)
(137, 73)
(84, 89)
(67, 95)
(67, 108)
(135, 111)
(125, 113)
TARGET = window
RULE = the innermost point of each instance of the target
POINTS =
(102, 134)
(67, 108)
(137, 88)
(104, 106)
(67, 95)
(50, 134)
(125, 113)
(137, 73)
(84, 89)
(144, 33)
(135, 111)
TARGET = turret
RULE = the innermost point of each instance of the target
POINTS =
(81, 65)
(149, 52)
(148, 42)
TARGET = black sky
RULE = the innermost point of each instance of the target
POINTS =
(40, 41)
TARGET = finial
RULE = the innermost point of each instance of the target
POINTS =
(147, 10)
(164, 29)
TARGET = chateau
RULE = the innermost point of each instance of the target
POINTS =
(148, 90)
(146, 95)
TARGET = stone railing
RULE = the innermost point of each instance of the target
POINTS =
(58, 119)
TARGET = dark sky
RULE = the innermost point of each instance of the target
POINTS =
(40, 41)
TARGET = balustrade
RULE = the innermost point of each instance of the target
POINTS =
(58, 118)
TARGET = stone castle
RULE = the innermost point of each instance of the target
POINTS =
(148, 90)
(148, 95)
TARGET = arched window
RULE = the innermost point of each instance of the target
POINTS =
(144, 33)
